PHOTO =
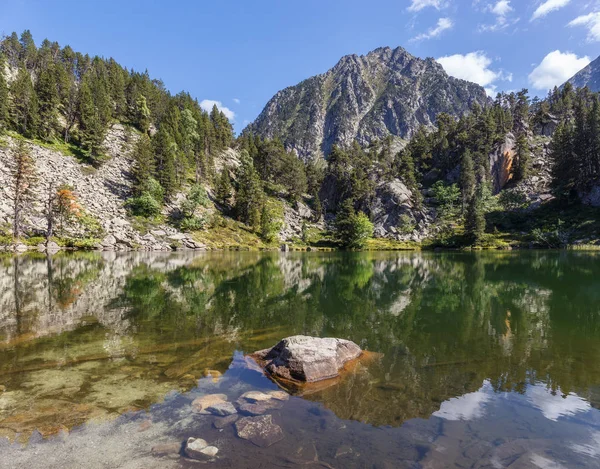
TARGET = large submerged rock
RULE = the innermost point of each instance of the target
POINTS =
(307, 359)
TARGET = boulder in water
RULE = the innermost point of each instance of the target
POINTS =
(307, 359)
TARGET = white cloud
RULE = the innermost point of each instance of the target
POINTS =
(468, 406)
(474, 67)
(556, 405)
(502, 8)
(556, 68)
(236, 100)
(592, 23)
(418, 5)
(208, 104)
(443, 24)
(548, 7)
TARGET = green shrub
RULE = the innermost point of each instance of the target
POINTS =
(34, 240)
(145, 205)
(353, 229)
(193, 223)
(406, 224)
(196, 198)
(513, 200)
(270, 223)
(553, 238)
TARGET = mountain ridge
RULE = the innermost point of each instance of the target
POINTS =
(386, 92)
(588, 76)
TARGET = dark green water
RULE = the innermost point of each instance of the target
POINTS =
(488, 359)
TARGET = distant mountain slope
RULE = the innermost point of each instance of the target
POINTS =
(386, 92)
(589, 76)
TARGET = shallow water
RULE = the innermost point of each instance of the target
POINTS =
(487, 359)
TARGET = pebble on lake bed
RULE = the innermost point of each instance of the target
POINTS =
(222, 409)
(201, 404)
(197, 448)
(222, 422)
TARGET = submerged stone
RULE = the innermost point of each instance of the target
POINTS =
(165, 449)
(222, 422)
(197, 448)
(261, 430)
(201, 404)
(222, 409)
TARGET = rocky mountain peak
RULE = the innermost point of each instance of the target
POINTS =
(364, 98)
(588, 76)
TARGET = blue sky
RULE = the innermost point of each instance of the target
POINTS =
(240, 52)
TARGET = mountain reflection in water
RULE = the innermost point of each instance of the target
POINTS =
(500, 340)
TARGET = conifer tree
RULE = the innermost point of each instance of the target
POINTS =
(23, 181)
(475, 219)
(28, 50)
(523, 157)
(249, 196)
(406, 171)
(3, 97)
(91, 129)
(143, 164)
(24, 110)
(165, 150)
(224, 188)
(467, 180)
(116, 76)
(47, 95)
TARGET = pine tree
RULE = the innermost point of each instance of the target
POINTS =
(563, 169)
(224, 188)
(4, 119)
(24, 110)
(475, 219)
(47, 95)
(91, 130)
(23, 181)
(594, 135)
(467, 180)
(117, 76)
(143, 164)
(523, 157)
(28, 50)
(249, 196)
(406, 172)
(11, 48)
(165, 150)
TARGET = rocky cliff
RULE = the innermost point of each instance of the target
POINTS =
(364, 98)
(589, 76)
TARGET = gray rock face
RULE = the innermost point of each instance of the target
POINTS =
(589, 76)
(259, 430)
(501, 163)
(307, 359)
(394, 214)
(367, 98)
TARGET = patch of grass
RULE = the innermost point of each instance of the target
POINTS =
(383, 244)
(77, 243)
(144, 225)
(34, 240)
(232, 234)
